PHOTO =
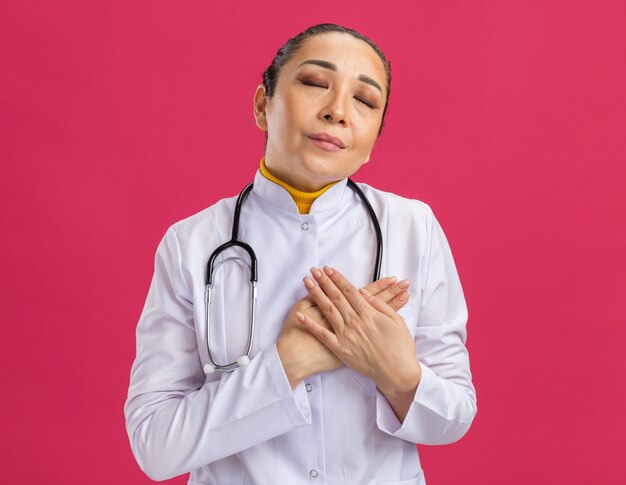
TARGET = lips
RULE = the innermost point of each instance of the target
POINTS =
(328, 139)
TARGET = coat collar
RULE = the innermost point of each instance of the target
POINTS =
(276, 195)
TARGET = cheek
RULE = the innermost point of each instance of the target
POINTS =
(284, 117)
(367, 136)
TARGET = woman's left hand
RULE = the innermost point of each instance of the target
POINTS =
(369, 336)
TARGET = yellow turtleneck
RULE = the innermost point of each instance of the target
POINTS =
(304, 200)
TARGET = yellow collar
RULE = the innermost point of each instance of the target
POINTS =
(304, 200)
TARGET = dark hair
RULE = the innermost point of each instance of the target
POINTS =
(286, 52)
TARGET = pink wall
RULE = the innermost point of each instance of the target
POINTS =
(509, 118)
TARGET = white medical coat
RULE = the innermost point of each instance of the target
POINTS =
(249, 426)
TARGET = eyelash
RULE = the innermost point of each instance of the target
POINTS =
(318, 85)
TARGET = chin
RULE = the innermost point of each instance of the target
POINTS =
(321, 171)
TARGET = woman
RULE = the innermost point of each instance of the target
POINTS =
(340, 383)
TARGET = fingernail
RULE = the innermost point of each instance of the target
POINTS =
(403, 284)
(365, 292)
(328, 270)
(308, 282)
(390, 280)
(403, 297)
(316, 272)
(300, 316)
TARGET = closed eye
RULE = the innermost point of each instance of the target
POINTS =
(365, 102)
(313, 83)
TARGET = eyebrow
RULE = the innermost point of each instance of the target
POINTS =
(333, 67)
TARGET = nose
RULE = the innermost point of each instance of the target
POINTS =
(335, 110)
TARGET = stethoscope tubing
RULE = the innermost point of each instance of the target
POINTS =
(377, 230)
(235, 242)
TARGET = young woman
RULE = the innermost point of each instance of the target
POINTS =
(344, 375)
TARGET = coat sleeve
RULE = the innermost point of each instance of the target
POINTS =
(445, 401)
(177, 420)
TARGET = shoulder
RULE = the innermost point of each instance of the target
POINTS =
(209, 224)
(397, 206)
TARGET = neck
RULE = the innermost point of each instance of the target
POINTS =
(304, 200)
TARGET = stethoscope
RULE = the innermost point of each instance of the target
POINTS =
(235, 242)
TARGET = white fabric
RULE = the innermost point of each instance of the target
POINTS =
(249, 426)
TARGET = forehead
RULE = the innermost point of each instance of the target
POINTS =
(349, 54)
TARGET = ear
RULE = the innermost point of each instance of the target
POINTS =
(260, 103)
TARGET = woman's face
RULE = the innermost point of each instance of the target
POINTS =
(326, 111)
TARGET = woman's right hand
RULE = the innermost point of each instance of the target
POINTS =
(302, 354)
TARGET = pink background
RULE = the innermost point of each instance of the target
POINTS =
(119, 118)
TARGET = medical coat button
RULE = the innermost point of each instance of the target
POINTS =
(314, 473)
(305, 226)
(309, 388)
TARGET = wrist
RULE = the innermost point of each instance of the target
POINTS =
(401, 397)
(293, 367)
(403, 385)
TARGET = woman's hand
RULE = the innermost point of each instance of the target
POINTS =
(302, 354)
(365, 333)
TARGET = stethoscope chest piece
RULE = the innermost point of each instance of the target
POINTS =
(242, 361)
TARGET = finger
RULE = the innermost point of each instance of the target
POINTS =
(324, 303)
(380, 285)
(343, 294)
(391, 291)
(355, 300)
(399, 301)
(379, 305)
(325, 336)
(306, 303)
